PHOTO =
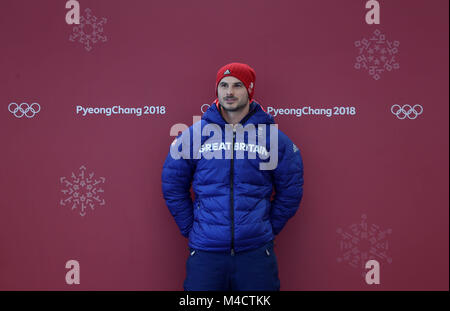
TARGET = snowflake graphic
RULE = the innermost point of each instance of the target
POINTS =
(89, 31)
(362, 243)
(377, 54)
(82, 191)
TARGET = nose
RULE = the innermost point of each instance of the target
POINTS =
(229, 91)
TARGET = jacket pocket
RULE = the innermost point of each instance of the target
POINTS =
(268, 249)
(196, 209)
(192, 252)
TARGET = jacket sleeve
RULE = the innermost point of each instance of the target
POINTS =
(288, 184)
(176, 184)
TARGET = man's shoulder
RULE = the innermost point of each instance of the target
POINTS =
(286, 143)
(283, 137)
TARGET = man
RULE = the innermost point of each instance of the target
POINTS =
(232, 222)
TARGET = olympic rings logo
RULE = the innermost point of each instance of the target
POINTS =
(407, 111)
(24, 109)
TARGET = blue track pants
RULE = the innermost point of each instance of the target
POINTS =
(256, 269)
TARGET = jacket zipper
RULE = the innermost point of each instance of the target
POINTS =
(231, 193)
(231, 174)
(231, 180)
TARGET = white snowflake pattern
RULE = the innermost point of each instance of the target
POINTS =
(89, 31)
(363, 243)
(82, 191)
(371, 54)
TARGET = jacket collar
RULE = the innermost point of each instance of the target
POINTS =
(256, 115)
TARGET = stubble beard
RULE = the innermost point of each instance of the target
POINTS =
(235, 106)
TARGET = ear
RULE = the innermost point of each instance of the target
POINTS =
(250, 88)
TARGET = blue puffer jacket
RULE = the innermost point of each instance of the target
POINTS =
(232, 210)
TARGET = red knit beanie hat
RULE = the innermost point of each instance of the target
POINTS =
(243, 72)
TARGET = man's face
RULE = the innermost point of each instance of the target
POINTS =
(232, 94)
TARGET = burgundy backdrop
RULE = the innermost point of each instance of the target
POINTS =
(370, 167)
